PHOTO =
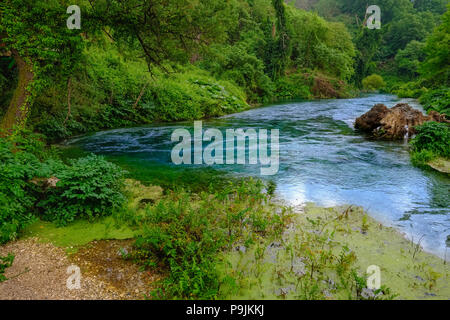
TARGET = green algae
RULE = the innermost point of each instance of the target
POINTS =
(79, 233)
(331, 239)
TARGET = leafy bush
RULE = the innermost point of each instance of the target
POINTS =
(432, 140)
(88, 187)
(437, 100)
(407, 61)
(320, 45)
(237, 64)
(185, 233)
(422, 157)
(295, 86)
(409, 90)
(193, 94)
(373, 82)
(16, 169)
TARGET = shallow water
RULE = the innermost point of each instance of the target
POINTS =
(322, 160)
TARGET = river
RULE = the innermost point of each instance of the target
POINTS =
(322, 160)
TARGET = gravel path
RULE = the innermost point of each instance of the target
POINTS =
(39, 272)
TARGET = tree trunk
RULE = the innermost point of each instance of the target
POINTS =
(20, 103)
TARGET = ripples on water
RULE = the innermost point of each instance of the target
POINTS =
(322, 160)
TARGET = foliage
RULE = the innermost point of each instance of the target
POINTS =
(32, 31)
(437, 99)
(194, 95)
(408, 27)
(317, 44)
(412, 89)
(279, 48)
(436, 67)
(238, 64)
(89, 187)
(185, 236)
(367, 43)
(16, 168)
(5, 262)
(407, 61)
(373, 82)
(432, 140)
(433, 136)
(435, 6)
(293, 86)
(112, 91)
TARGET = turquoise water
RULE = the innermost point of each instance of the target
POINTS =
(322, 160)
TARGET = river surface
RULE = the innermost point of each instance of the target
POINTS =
(322, 160)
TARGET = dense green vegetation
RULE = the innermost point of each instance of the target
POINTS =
(86, 187)
(432, 141)
(410, 51)
(139, 61)
(116, 74)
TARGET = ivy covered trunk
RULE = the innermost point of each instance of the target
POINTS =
(21, 101)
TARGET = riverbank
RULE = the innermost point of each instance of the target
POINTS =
(321, 253)
(344, 237)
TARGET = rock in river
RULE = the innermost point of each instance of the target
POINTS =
(395, 123)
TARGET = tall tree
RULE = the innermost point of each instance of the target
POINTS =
(278, 47)
(165, 30)
(436, 67)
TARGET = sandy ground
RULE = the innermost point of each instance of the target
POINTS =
(39, 272)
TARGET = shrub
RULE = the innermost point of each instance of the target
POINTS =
(16, 202)
(422, 157)
(294, 86)
(193, 94)
(237, 64)
(88, 187)
(185, 234)
(373, 82)
(434, 137)
(409, 90)
(432, 140)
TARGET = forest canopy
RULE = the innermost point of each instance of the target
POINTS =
(256, 50)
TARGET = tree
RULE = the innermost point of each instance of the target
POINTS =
(367, 43)
(407, 28)
(278, 48)
(318, 44)
(164, 30)
(436, 67)
(407, 61)
(35, 34)
(435, 6)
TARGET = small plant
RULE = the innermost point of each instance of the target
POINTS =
(5, 262)
(365, 225)
(271, 187)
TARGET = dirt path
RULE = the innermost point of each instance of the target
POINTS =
(39, 272)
